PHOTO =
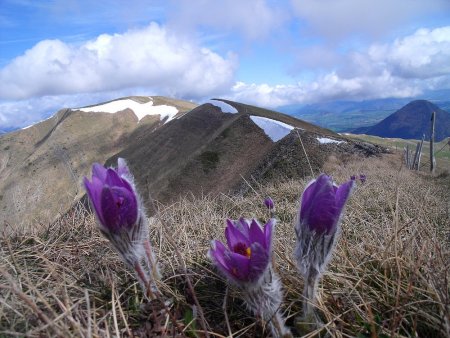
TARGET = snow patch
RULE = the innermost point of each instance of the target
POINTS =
(276, 130)
(224, 107)
(140, 109)
(324, 140)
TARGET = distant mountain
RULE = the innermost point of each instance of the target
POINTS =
(173, 147)
(411, 122)
(345, 116)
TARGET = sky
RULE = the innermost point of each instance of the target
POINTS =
(58, 54)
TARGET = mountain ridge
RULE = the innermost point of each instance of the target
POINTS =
(198, 151)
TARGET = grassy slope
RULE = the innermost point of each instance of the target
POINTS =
(41, 168)
(50, 159)
(441, 149)
(389, 273)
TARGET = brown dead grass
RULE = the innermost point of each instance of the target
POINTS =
(389, 275)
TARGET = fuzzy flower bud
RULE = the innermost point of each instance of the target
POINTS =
(317, 223)
(322, 204)
(121, 218)
(268, 202)
(113, 198)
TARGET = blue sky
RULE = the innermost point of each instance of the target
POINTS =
(63, 53)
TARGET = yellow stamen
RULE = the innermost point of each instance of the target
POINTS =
(248, 252)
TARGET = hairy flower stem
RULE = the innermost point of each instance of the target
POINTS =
(309, 293)
(147, 284)
(142, 278)
(152, 265)
(309, 321)
(264, 300)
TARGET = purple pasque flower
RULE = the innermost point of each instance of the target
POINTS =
(246, 262)
(353, 177)
(113, 197)
(322, 204)
(268, 202)
(247, 254)
(122, 220)
(362, 178)
(316, 229)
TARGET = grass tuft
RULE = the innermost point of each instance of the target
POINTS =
(389, 275)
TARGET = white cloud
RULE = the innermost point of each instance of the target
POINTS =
(253, 18)
(151, 57)
(404, 68)
(156, 61)
(337, 19)
(425, 54)
(264, 95)
(325, 88)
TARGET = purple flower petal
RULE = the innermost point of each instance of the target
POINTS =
(243, 226)
(114, 198)
(99, 171)
(323, 216)
(343, 193)
(217, 255)
(218, 250)
(112, 178)
(234, 266)
(319, 209)
(248, 253)
(109, 210)
(127, 204)
(259, 260)
(239, 265)
(234, 236)
(119, 208)
(94, 190)
(322, 204)
(127, 185)
(314, 188)
(256, 233)
(268, 230)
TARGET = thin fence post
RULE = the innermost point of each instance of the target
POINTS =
(432, 160)
(407, 156)
(420, 152)
(416, 154)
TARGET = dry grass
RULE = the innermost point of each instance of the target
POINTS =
(389, 275)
